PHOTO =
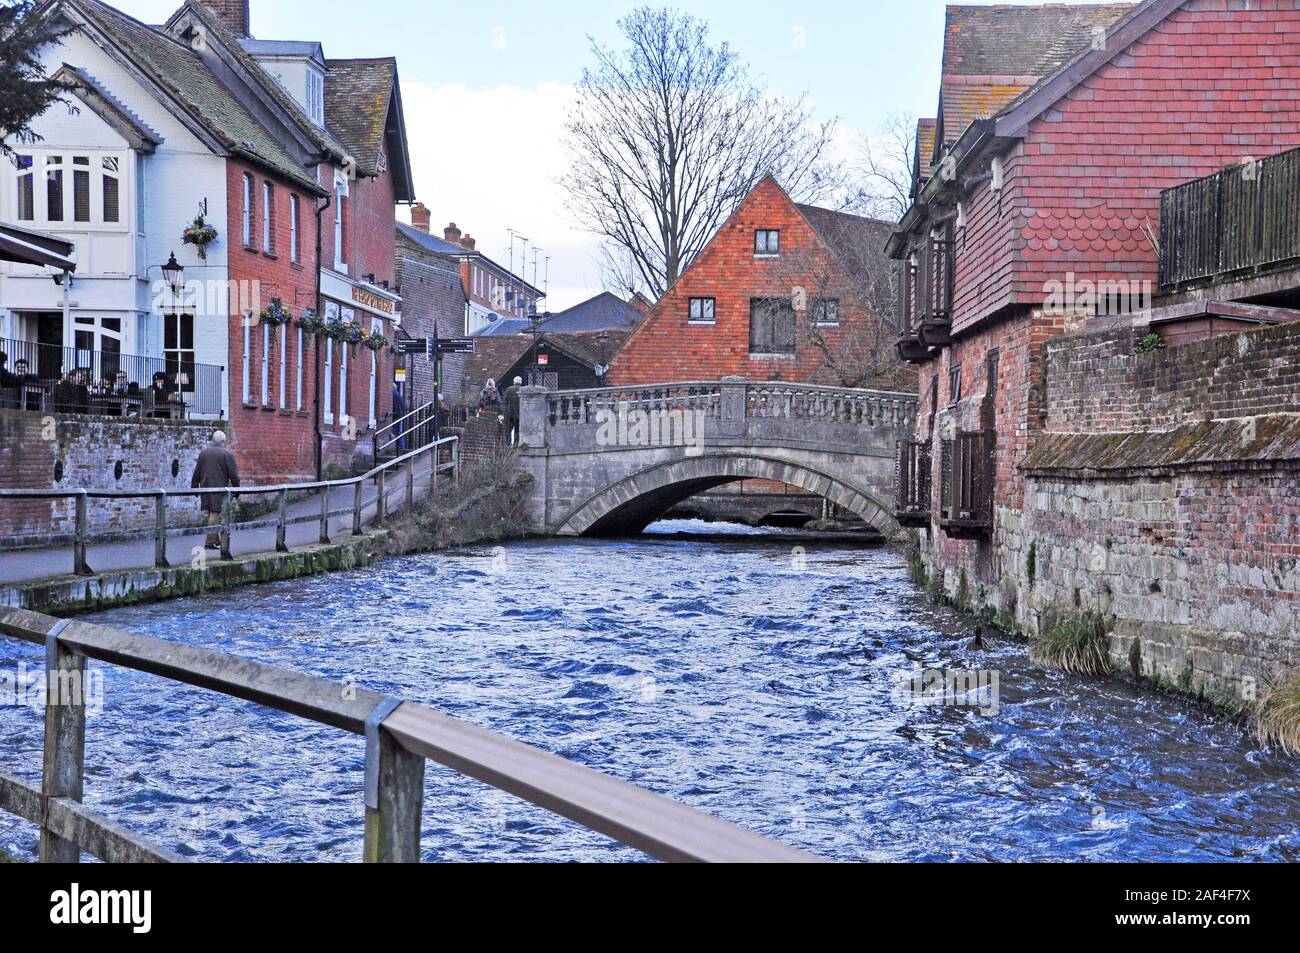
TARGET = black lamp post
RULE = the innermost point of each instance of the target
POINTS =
(173, 272)
(536, 320)
(603, 340)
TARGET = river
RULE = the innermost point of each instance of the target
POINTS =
(766, 678)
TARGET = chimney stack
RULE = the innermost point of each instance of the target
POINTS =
(233, 13)
(420, 217)
(452, 234)
(467, 243)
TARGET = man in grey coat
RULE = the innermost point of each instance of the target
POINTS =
(215, 469)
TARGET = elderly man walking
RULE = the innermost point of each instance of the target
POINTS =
(216, 468)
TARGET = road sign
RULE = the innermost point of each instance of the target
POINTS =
(451, 346)
(412, 345)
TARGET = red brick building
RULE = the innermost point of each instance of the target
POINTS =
(782, 292)
(1042, 213)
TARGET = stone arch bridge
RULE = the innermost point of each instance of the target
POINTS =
(611, 460)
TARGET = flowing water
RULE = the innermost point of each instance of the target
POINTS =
(768, 679)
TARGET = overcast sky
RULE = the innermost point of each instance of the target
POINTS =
(486, 86)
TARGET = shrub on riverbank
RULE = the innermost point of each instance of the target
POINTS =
(1277, 716)
(1075, 643)
(489, 505)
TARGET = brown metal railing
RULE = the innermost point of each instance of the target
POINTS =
(1230, 223)
(913, 473)
(400, 737)
(966, 495)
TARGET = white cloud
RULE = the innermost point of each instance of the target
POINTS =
(488, 160)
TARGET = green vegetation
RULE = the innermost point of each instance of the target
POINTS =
(1076, 643)
(1152, 342)
(488, 506)
(1277, 715)
(1031, 562)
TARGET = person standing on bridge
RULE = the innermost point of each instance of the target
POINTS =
(512, 409)
(215, 469)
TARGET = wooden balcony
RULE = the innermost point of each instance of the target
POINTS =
(966, 493)
(926, 299)
(1233, 226)
(912, 505)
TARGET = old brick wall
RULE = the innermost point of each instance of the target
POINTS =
(90, 449)
(273, 443)
(481, 439)
(1162, 491)
(432, 298)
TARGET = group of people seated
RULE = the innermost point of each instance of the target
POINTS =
(73, 392)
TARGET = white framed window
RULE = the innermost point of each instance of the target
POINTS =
(376, 327)
(340, 196)
(298, 372)
(178, 349)
(268, 229)
(284, 367)
(316, 97)
(247, 366)
(327, 382)
(266, 365)
(343, 381)
(248, 211)
(26, 206)
(293, 228)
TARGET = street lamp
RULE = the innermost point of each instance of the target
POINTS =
(536, 320)
(173, 272)
(603, 340)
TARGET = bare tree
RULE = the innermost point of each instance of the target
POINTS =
(25, 91)
(845, 303)
(887, 162)
(669, 135)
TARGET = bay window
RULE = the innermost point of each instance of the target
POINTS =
(57, 188)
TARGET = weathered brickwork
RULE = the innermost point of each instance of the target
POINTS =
(90, 449)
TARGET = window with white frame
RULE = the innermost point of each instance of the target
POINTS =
(343, 382)
(327, 382)
(284, 367)
(268, 225)
(298, 372)
(247, 366)
(178, 349)
(248, 211)
(293, 228)
(316, 97)
(376, 327)
(62, 188)
(266, 365)
(340, 196)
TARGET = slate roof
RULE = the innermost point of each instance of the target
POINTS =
(432, 243)
(357, 98)
(604, 311)
(858, 242)
(178, 70)
(994, 54)
(504, 327)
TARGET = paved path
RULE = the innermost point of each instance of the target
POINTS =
(26, 565)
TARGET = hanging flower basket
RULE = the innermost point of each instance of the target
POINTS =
(374, 340)
(276, 314)
(311, 323)
(345, 332)
(200, 234)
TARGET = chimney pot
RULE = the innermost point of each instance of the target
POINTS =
(467, 243)
(420, 216)
(452, 234)
(233, 13)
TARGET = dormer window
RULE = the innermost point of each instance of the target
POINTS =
(316, 97)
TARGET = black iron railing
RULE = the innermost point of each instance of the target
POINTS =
(1231, 223)
(51, 379)
(912, 506)
(966, 494)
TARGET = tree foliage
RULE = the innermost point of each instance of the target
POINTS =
(668, 135)
(25, 90)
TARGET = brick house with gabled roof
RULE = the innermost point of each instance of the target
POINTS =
(782, 292)
(1050, 215)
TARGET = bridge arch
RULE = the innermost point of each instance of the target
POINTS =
(633, 502)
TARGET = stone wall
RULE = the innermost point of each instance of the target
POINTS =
(1162, 492)
(71, 452)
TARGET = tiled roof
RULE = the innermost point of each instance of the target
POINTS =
(432, 243)
(994, 54)
(494, 357)
(179, 71)
(604, 311)
(357, 97)
(858, 242)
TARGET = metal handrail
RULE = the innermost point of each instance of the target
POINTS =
(402, 434)
(400, 736)
(82, 536)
